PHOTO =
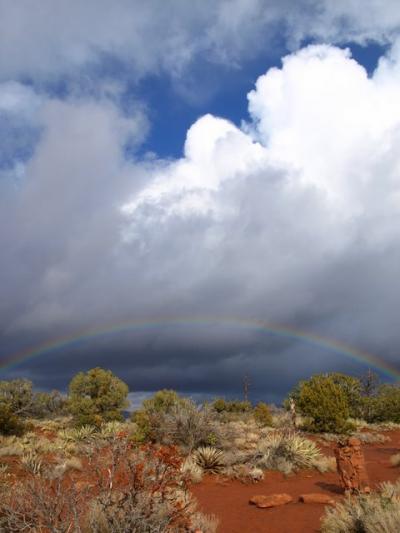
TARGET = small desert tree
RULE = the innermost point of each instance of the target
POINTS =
(97, 396)
(324, 401)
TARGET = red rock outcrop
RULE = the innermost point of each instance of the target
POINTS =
(317, 498)
(351, 467)
(274, 500)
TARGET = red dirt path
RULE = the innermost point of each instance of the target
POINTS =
(228, 500)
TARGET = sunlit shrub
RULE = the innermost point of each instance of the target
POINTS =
(262, 414)
(376, 513)
(325, 403)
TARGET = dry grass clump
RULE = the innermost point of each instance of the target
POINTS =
(204, 523)
(52, 425)
(32, 443)
(325, 464)
(376, 513)
(11, 449)
(32, 462)
(371, 438)
(384, 426)
(282, 419)
(192, 470)
(363, 436)
(72, 463)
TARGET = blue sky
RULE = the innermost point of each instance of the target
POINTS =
(204, 159)
(220, 91)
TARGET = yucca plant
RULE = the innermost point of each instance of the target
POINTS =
(286, 451)
(77, 434)
(209, 458)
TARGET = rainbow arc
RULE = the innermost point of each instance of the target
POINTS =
(330, 345)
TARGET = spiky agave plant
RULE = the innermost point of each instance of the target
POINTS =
(209, 458)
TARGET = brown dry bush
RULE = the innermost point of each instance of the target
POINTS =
(143, 491)
(139, 490)
(37, 505)
(184, 424)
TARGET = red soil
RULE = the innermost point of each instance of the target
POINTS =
(229, 500)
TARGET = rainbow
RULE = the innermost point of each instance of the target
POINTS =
(319, 341)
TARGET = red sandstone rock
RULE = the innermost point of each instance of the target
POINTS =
(274, 500)
(351, 466)
(317, 498)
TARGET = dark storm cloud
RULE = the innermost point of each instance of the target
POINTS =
(292, 219)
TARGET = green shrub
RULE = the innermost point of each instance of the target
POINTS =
(97, 396)
(48, 404)
(385, 405)
(352, 389)
(231, 406)
(325, 403)
(10, 424)
(262, 414)
(162, 401)
(18, 395)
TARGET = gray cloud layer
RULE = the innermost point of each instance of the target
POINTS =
(291, 219)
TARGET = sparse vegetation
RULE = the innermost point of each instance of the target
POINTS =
(231, 406)
(376, 513)
(174, 435)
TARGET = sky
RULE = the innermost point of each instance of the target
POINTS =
(174, 173)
